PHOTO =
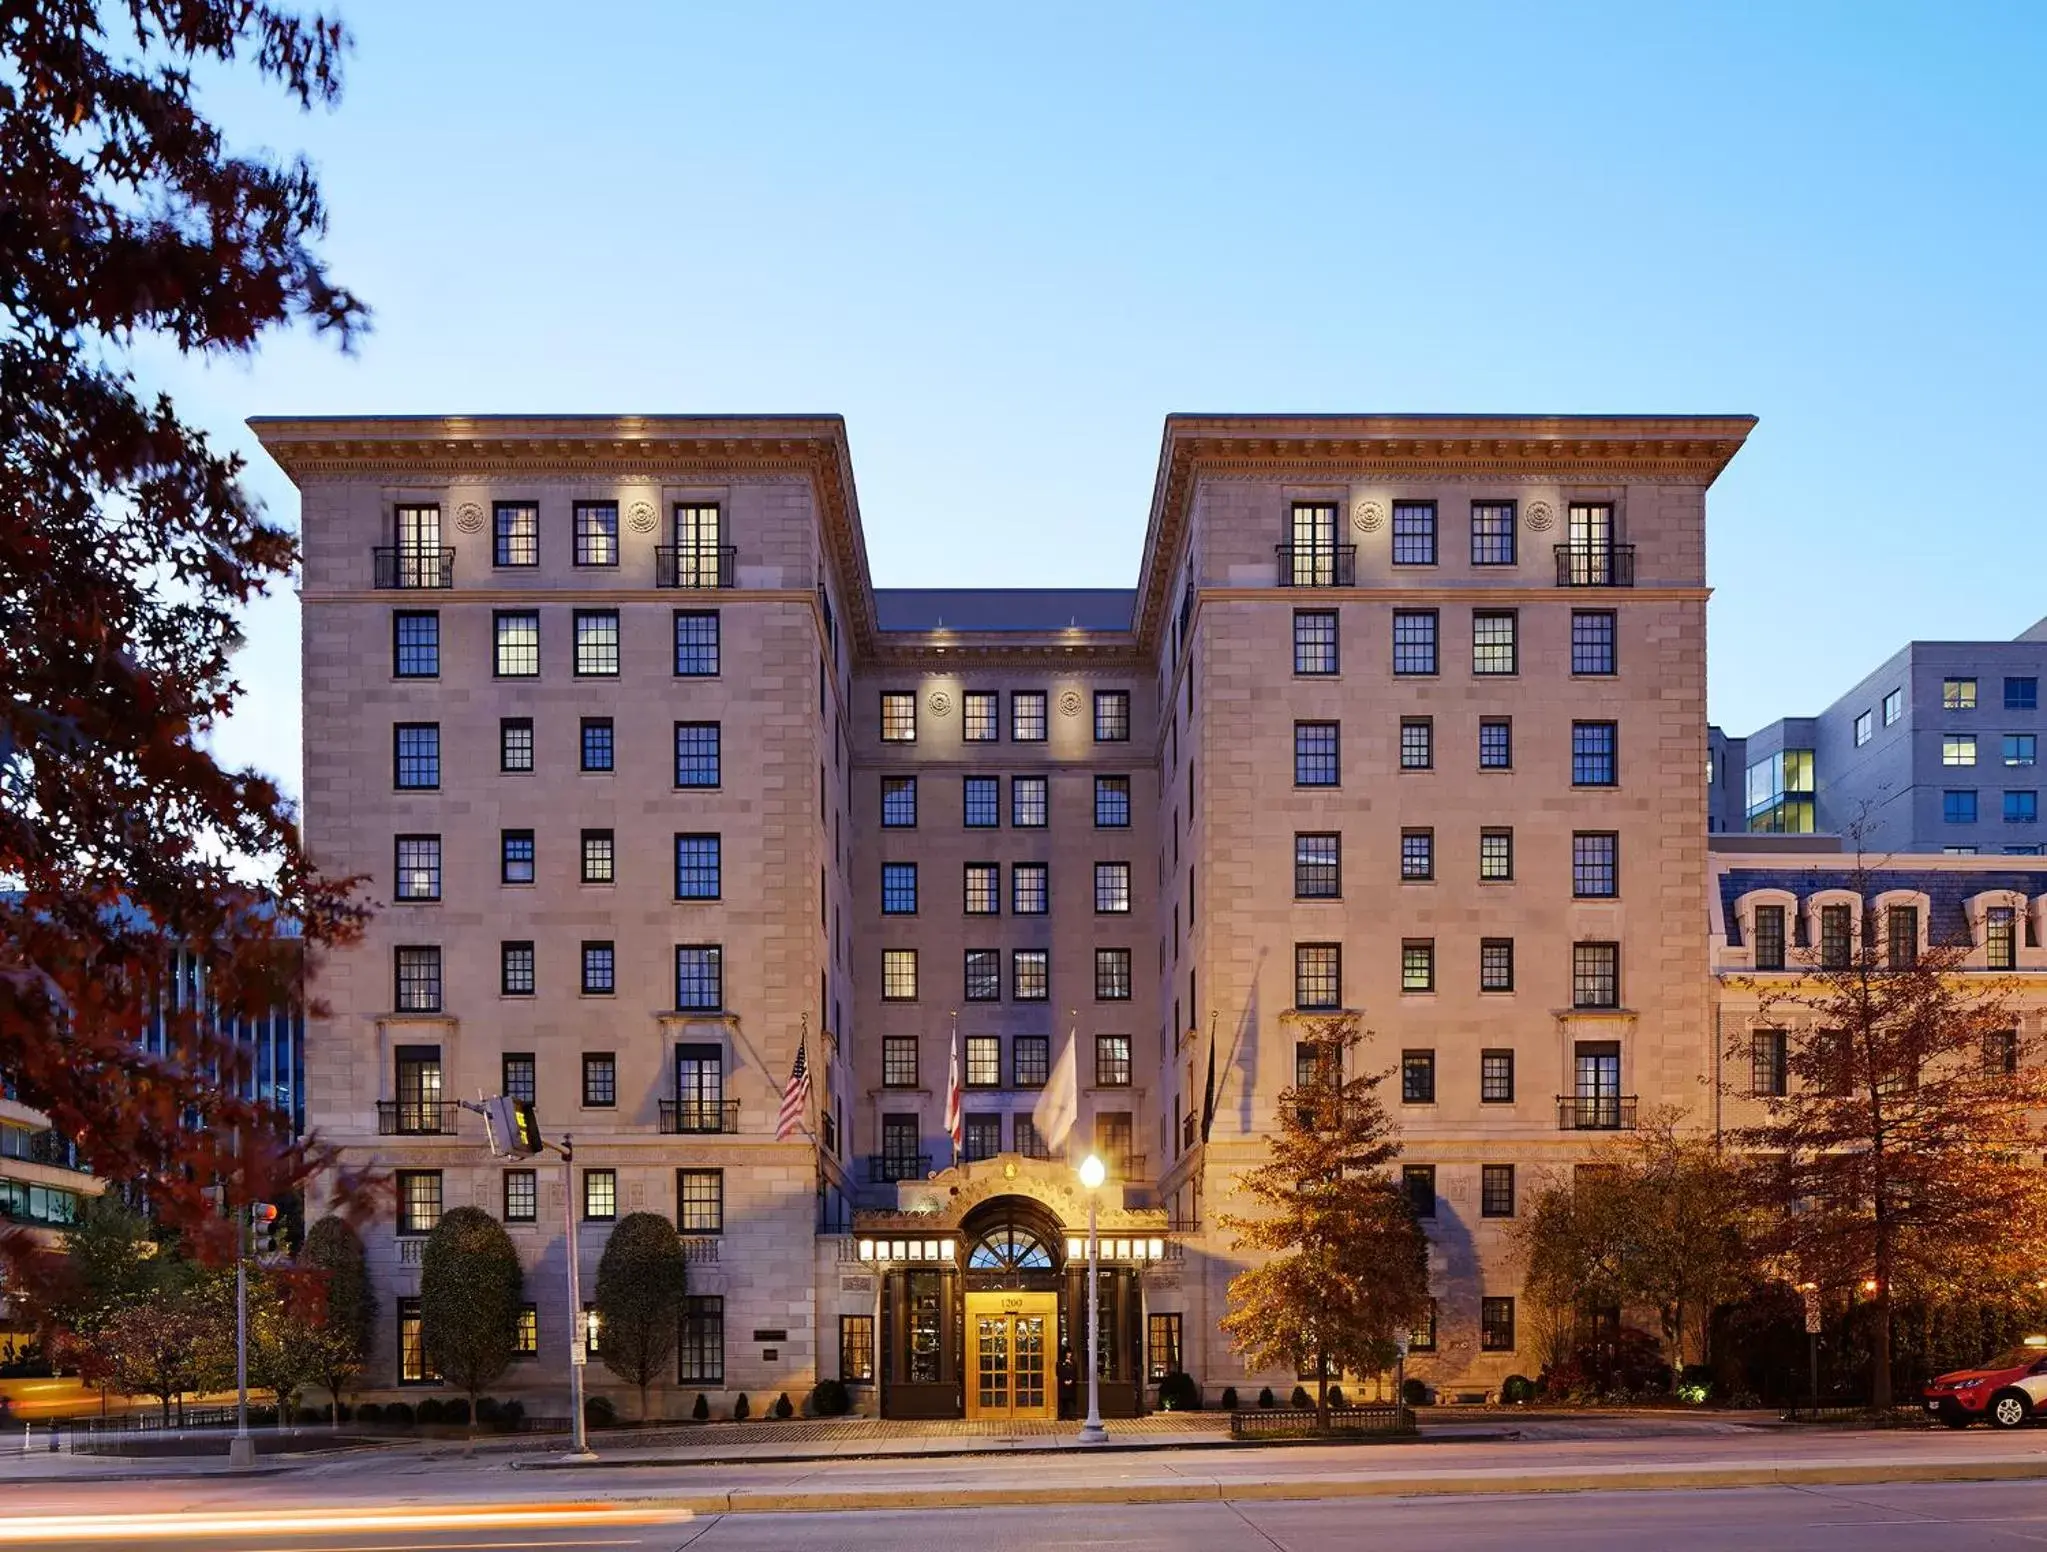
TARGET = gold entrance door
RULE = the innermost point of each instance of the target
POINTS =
(1009, 1368)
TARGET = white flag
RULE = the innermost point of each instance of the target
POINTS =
(1058, 1107)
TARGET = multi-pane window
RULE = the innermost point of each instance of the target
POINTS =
(600, 857)
(2000, 938)
(1418, 1182)
(1901, 931)
(898, 717)
(419, 1200)
(981, 716)
(1030, 975)
(2001, 1053)
(1414, 533)
(697, 754)
(1493, 642)
(1417, 1077)
(1770, 936)
(984, 1062)
(856, 1349)
(1318, 866)
(1495, 744)
(1894, 706)
(1315, 641)
(598, 744)
(981, 1137)
(1595, 864)
(1492, 533)
(2022, 694)
(418, 975)
(1030, 891)
(1417, 743)
(982, 802)
(1769, 1065)
(1030, 1060)
(1027, 718)
(899, 889)
(1496, 964)
(1836, 923)
(1112, 1061)
(522, 1196)
(1958, 694)
(517, 637)
(899, 975)
(1496, 1325)
(416, 755)
(515, 969)
(1595, 975)
(700, 1201)
(1414, 641)
(1112, 716)
(1595, 757)
(899, 1061)
(1112, 802)
(699, 977)
(1417, 854)
(1592, 641)
(1422, 1339)
(600, 1195)
(2022, 807)
(1112, 888)
(1496, 1077)
(1865, 728)
(1958, 749)
(517, 1075)
(1315, 758)
(415, 644)
(700, 1343)
(696, 643)
(1495, 855)
(419, 867)
(1112, 975)
(1162, 1345)
(1318, 975)
(1418, 965)
(515, 744)
(1496, 1191)
(1958, 806)
(515, 534)
(983, 889)
(899, 802)
(984, 975)
(2021, 748)
(600, 969)
(1029, 802)
(699, 1086)
(596, 524)
(515, 856)
(597, 643)
(600, 1079)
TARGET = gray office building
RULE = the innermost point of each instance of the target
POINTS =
(1935, 751)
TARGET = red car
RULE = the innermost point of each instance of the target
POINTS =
(2007, 1390)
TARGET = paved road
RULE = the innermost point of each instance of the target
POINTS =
(1898, 1519)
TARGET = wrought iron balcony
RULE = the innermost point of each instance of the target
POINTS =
(700, 1248)
(411, 566)
(1317, 565)
(416, 1118)
(1595, 565)
(48, 1147)
(888, 1168)
(1126, 1167)
(1595, 1112)
(699, 1116)
(694, 565)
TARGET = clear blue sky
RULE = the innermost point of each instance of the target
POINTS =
(1005, 245)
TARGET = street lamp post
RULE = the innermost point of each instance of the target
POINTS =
(1092, 1174)
(241, 1449)
(579, 1326)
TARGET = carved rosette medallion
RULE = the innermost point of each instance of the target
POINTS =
(940, 703)
(469, 517)
(1368, 517)
(1539, 517)
(642, 517)
(1070, 703)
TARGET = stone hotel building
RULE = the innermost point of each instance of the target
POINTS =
(1405, 715)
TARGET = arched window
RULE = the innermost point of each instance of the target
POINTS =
(1009, 1249)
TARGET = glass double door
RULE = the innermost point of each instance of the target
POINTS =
(1010, 1369)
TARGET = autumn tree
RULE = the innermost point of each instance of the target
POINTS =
(1345, 1268)
(1901, 1154)
(165, 1345)
(334, 1254)
(641, 1279)
(470, 1288)
(128, 549)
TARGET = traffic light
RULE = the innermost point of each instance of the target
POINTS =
(263, 1225)
(513, 1127)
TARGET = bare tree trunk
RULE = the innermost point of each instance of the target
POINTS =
(1321, 1391)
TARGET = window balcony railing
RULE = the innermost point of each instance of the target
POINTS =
(1125, 1167)
(694, 565)
(416, 1118)
(1595, 1112)
(700, 1248)
(699, 1116)
(1595, 565)
(407, 566)
(1317, 565)
(48, 1147)
(888, 1168)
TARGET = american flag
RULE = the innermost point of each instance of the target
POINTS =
(955, 1109)
(796, 1097)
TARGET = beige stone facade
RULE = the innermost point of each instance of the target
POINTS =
(1140, 755)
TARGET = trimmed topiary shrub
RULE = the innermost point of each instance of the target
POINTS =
(1414, 1393)
(1229, 1398)
(783, 1408)
(1336, 1396)
(1179, 1393)
(456, 1411)
(1516, 1389)
(399, 1414)
(701, 1412)
(369, 1412)
(598, 1412)
(1301, 1398)
(432, 1410)
(829, 1399)
(740, 1410)
(511, 1416)
(487, 1412)
(1265, 1398)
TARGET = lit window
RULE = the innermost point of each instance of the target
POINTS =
(419, 867)
(1958, 749)
(1495, 855)
(984, 1061)
(1492, 642)
(899, 975)
(980, 716)
(1027, 720)
(1112, 716)
(1030, 975)
(419, 1200)
(898, 717)
(600, 1195)
(518, 645)
(1029, 802)
(1496, 1325)
(1112, 1061)
(1030, 890)
(1112, 975)
(1958, 695)
(1112, 888)
(599, 857)
(1418, 965)
(2000, 938)
(1417, 743)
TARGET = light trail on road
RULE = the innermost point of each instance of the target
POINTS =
(37, 1530)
